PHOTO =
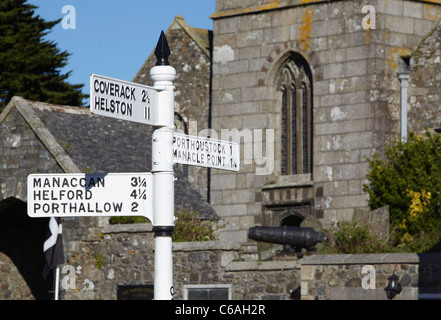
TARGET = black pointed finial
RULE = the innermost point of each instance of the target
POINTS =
(162, 51)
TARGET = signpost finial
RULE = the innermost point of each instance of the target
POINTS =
(162, 51)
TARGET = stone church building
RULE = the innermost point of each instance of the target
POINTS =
(308, 88)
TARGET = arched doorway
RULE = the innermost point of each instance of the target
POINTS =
(292, 219)
(21, 253)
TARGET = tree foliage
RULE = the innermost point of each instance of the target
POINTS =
(409, 181)
(29, 65)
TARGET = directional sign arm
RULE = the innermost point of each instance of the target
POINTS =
(205, 152)
(90, 195)
(123, 100)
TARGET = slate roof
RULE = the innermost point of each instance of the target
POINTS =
(100, 144)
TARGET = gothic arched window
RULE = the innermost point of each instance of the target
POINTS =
(295, 84)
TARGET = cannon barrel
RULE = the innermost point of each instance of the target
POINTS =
(297, 237)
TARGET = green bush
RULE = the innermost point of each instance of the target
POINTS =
(409, 181)
(190, 227)
(352, 238)
(127, 220)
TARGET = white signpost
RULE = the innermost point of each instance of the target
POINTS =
(86, 195)
(135, 194)
(205, 152)
(123, 100)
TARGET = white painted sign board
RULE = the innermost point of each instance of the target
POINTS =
(123, 100)
(90, 195)
(205, 152)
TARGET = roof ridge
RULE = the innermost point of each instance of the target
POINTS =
(194, 35)
(44, 106)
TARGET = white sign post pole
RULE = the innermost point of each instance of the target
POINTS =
(163, 76)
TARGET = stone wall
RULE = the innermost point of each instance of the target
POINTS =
(341, 277)
(124, 255)
(215, 263)
(12, 284)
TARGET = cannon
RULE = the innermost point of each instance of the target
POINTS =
(293, 239)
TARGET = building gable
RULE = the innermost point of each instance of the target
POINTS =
(191, 57)
(27, 147)
(424, 101)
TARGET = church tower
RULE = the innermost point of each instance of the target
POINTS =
(310, 88)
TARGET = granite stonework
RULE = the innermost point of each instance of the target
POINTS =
(356, 98)
(124, 255)
(342, 277)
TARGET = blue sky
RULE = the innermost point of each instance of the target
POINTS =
(114, 37)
